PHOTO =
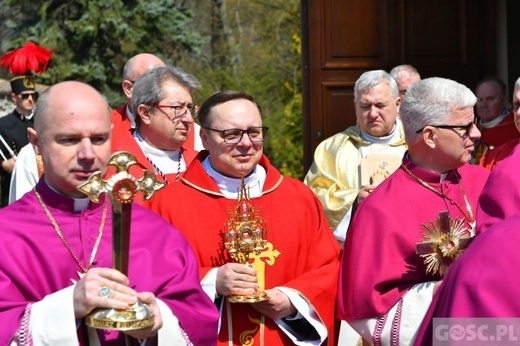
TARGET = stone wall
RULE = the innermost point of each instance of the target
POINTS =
(6, 104)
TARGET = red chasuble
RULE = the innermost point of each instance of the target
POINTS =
(301, 252)
(379, 262)
(120, 125)
(495, 136)
(501, 133)
(495, 155)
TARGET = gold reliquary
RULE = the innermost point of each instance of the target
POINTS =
(245, 235)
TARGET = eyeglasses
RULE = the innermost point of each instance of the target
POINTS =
(26, 96)
(467, 128)
(179, 111)
(234, 136)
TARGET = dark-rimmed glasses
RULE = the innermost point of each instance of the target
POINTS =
(467, 128)
(179, 111)
(26, 96)
(234, 136)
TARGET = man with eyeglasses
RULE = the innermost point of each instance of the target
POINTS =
(484, 282)
(164, 114)
(28, 170)
(123, 119)
(298, 266)
(13, 129)
(385, 286)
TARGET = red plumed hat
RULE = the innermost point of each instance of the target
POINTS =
(25, 61)
(29, 58)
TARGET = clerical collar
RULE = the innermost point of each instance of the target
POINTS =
(229, 186)
(167, 161)
(494, 122)
(130, 116)
(79, 203)
(443, 176)
(392, 137)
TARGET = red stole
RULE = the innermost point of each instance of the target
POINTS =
(245, 326)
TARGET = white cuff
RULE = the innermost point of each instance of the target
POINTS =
(171, 332)
(52, 319)
(413, 309)
(209, 284)
(306, 311)
(341, 229)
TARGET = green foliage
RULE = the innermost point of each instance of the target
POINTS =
(94, 38)
(252, 46)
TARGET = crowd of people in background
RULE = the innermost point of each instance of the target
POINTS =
(382, 235)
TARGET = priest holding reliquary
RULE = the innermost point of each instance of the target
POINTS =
(265, 250)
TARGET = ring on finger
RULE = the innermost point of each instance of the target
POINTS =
(104, 292)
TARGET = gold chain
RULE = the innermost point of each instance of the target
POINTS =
(65, 242)
(470, 218)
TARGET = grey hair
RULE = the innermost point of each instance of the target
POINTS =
(370, 79)
(404, 69)
(148, 88)
(430, 102)
(517, 83)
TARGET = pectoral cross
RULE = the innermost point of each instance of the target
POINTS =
(444, 241)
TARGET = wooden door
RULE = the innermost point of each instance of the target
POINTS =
(341, 39)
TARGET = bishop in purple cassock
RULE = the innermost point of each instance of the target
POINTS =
(37, 270)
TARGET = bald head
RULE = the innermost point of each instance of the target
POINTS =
(139, 64)
(70, 98)
(72, 135)
(134, 68)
